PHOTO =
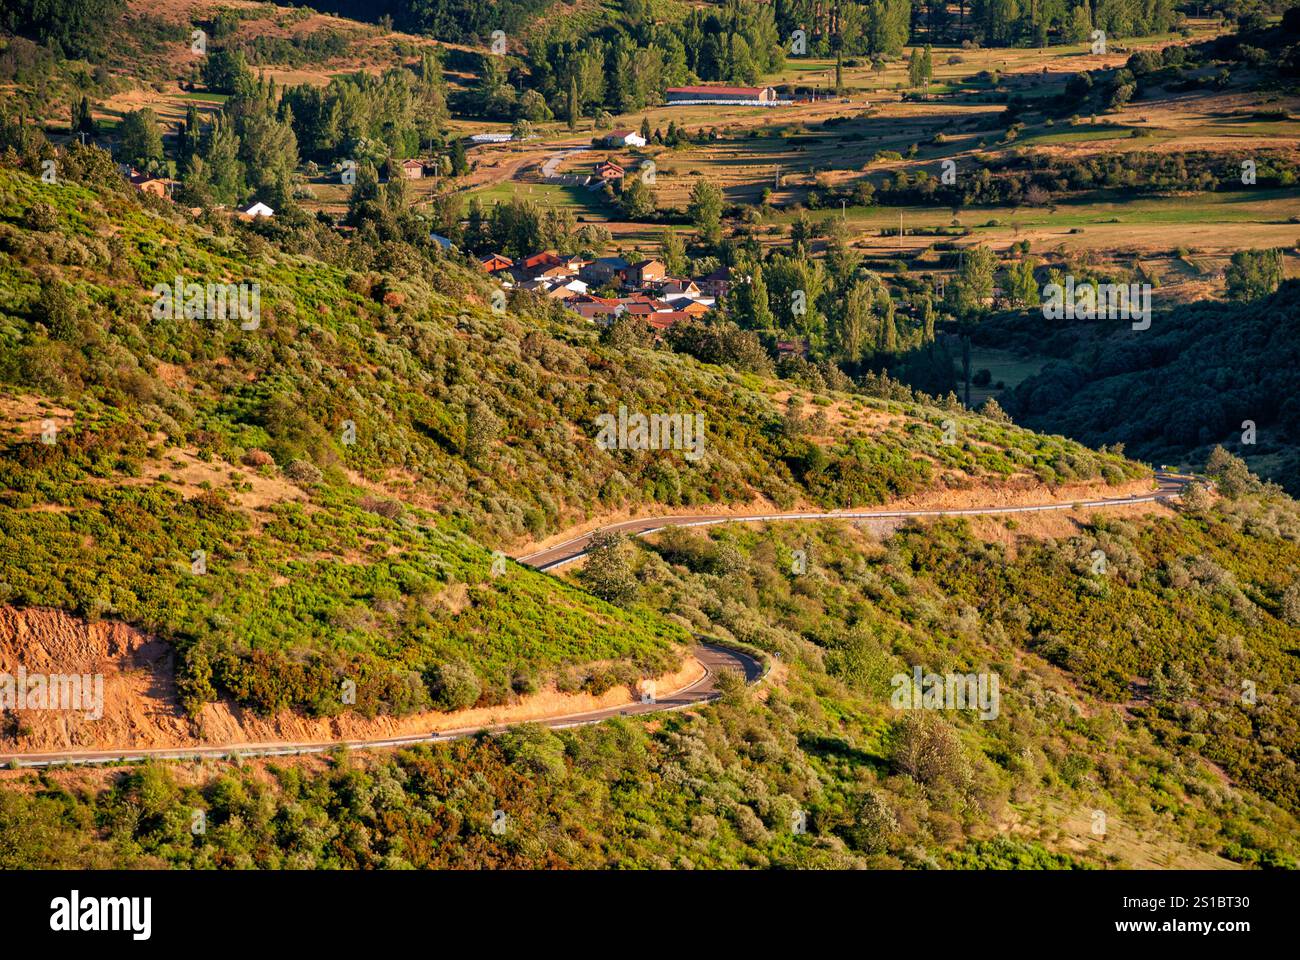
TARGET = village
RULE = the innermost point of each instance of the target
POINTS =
(638, 289)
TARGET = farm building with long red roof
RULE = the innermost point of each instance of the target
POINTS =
(707, 93)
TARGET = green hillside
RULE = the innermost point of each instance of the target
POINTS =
(344, 466)
(1120, 705)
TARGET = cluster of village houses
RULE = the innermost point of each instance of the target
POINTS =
(644, 288)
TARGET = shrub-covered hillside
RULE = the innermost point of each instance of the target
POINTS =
(490, 418)
(1120, 705)
(341, 466)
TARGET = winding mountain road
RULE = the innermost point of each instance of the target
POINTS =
(1169, 486)
(715, 658)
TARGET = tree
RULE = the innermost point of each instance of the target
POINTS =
(1171, 683)
(82, 120)
(1195, 498)
(672, 250)
(927, 319)
(1079, 28)
(915, 69)
(574, 107)
(1021, 289)
(874, 824)
(927, 749)
(224, 169)
(993, 410)
(226, 71)
(1230, 474)
(56, 308)
(887, 343)
(481, 428)
(637, 199)
(627, 331)
(268, 150)
(974, 284)
(459, 161)
(705, 210)
(364, 200)
(1254, 274)
(608, 571)
(191, 136)
(797, 285)
(748, 303)
(141, 142)
(533, 108)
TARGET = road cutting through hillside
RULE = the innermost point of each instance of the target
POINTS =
(1169, 486)
(714, 657)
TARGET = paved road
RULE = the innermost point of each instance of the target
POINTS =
(1168, 486)
(715, 659)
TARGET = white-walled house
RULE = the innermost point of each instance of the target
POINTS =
(623, 138)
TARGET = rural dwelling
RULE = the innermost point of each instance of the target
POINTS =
(679, 288)
(644, 306)
(647, 271)
(662, 321)
(567, 291)
(717, 94)
(547, 264)
(412, 169)
(440, 240)
(609, 170)
(690, 306)
(590, 308)
(255, 210)
(604, 269)
(716, 284)
(146, 183)
(494, 263)
(623, 138)
(792, 348)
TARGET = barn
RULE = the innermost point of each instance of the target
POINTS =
(706, 94)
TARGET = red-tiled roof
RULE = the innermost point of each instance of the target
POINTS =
(662, 321)
(546, 258)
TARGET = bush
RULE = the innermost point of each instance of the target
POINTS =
(300, 471)
(453, 685)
